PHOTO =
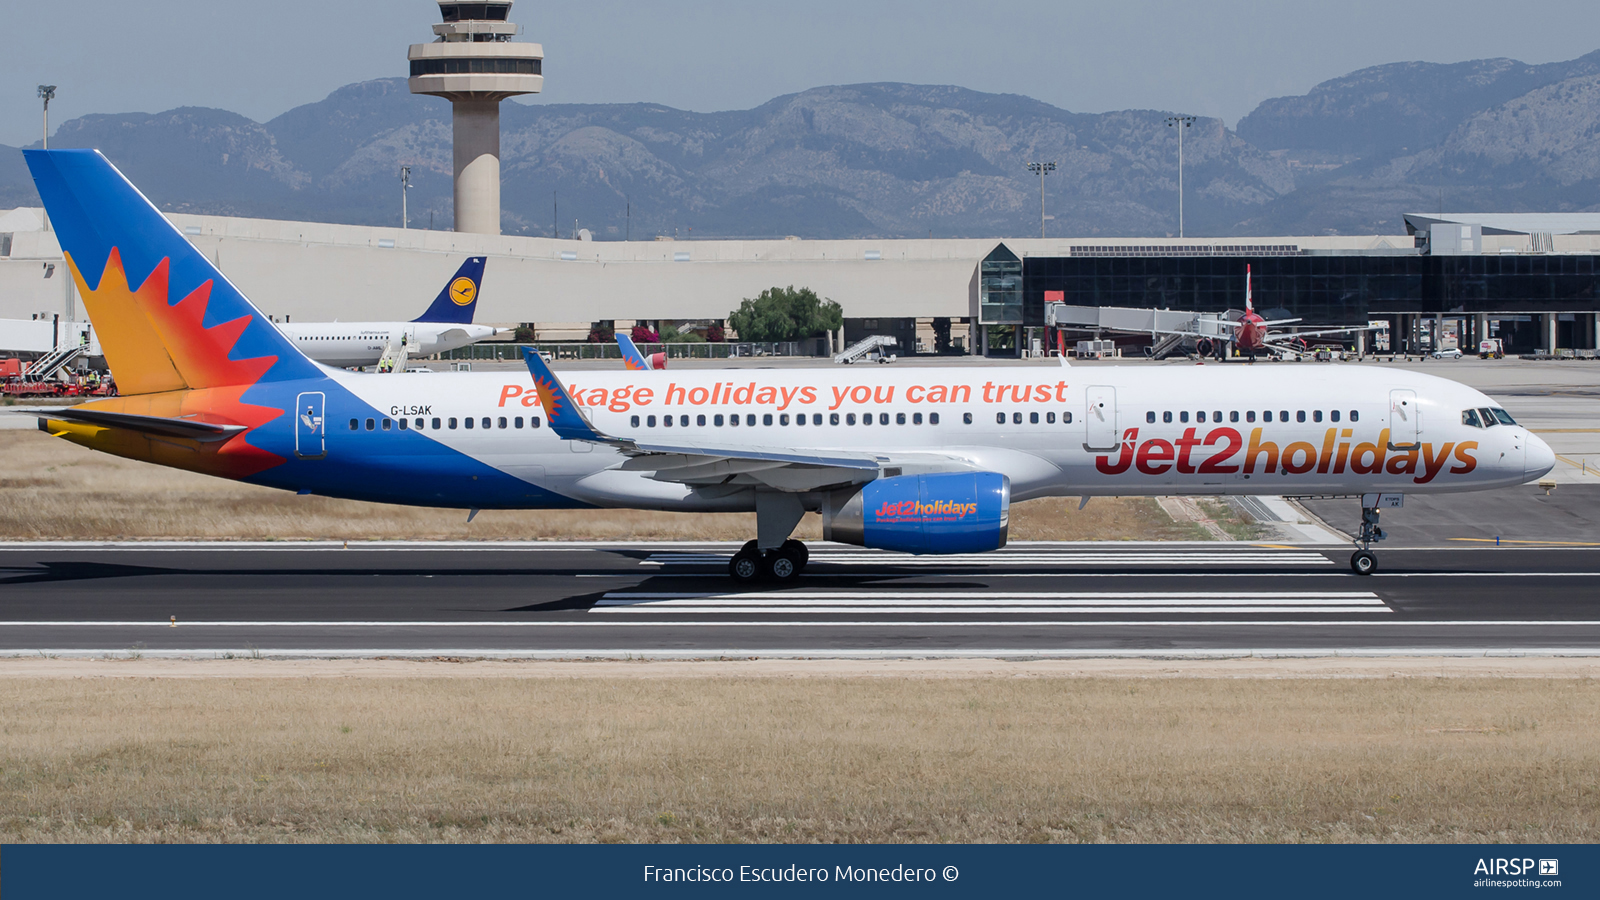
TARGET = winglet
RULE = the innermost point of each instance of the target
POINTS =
(568, 422)
(631, 357)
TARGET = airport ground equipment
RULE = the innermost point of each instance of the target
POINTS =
(869, 348)
(475, 64)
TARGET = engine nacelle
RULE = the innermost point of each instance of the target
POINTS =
(946, 512)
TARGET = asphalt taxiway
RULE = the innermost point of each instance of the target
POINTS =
(674, 600)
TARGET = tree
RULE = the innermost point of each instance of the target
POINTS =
(785, 314)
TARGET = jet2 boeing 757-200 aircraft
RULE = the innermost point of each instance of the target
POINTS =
(919, 460)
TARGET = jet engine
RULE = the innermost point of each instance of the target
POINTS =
(946, 512)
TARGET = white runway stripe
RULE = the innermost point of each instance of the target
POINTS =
(1006, 603)
(1001, 559)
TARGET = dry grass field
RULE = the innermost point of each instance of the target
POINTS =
(760, 758)
(53, 490)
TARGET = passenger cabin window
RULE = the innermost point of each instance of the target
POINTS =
(533, 422)
(1300, 415)
(1249, 415)
(468, 421)
(933, 418)
(1316, 415)
(966, 418)
(1355, 415)
(1184, 417)
(1334, 415)
(355, 424)
(1166, 418)
(1150, 417)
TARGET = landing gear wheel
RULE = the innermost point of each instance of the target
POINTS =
(782, 565)
(1364, 562)
(798, 550)
(746, 565)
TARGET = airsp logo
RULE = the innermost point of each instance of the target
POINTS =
(463, 291)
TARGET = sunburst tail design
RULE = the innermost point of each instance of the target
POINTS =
(180, 339)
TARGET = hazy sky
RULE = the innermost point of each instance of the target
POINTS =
(1219, 57)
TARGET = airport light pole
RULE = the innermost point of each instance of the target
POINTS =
(405, 185)
(1043, 168)
(1180, 123)
(47, 92)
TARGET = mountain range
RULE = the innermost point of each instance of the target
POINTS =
(895, 160)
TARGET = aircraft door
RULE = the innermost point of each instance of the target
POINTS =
(1405, 421)
(1100, 418)
(310, 427)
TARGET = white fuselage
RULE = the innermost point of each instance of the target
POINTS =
(362, 343)
(1053, 431)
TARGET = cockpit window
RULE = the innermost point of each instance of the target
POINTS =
(1470, 417)
(1504, 417)
(1489, 420)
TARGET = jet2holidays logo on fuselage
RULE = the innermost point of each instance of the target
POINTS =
(1340, 452)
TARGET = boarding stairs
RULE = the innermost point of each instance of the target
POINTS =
(1168, 345)
(395, 354)
(868, 347)
(43, 368)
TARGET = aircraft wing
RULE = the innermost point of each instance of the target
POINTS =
(708, 463)
(160, 426)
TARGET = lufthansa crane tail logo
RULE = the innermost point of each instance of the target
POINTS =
(463, 291)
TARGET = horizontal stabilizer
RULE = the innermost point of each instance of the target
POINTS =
(192, 429)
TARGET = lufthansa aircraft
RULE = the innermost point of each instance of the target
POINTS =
(915, 460)
(445, 326)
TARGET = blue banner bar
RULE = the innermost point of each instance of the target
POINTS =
(61, 872)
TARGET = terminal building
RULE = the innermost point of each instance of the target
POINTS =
(1536, 290)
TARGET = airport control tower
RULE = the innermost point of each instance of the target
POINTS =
(475, 64)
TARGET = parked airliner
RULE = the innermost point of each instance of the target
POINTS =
(445, 326)
(919, 460)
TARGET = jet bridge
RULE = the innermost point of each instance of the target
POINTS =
(1169, 330)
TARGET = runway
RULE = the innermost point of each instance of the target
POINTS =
(654, 600)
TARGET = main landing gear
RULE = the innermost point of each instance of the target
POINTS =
(781, 565)
(1364, 561)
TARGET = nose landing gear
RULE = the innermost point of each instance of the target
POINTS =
(1364, 561)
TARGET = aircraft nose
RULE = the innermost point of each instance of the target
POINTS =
(1540, 459)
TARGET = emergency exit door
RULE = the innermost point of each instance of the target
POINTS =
(310, 427)
(1100, 418)
(1405, 420)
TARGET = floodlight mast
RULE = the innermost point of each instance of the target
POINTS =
(1180, 122)
(405, 185)
(47, 92)
(1043, 168)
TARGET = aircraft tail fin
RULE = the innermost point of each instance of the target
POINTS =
(1249, 302)
(166, 318)
(458, 302)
